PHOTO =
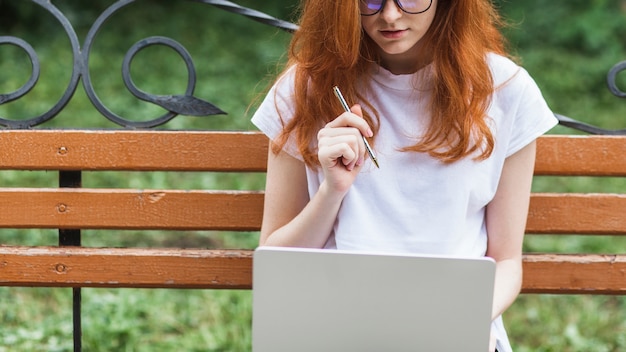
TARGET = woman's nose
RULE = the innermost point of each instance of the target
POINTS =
(391, 11)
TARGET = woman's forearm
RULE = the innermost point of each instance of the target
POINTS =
(312, 226)
(507, 285)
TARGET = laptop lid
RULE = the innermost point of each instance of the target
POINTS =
(333, 300)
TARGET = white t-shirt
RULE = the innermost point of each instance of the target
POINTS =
(415, 203)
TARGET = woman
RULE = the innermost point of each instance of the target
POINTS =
(451, 119)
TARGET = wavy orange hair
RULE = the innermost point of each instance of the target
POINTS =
(330, 48)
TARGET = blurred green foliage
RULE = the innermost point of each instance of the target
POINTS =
(567, 46)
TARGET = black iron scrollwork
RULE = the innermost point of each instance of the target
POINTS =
(34, 77)
(71, 88)
(183, 104)
(612, 79)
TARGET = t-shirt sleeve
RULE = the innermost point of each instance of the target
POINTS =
(276, 110)
(532, 117)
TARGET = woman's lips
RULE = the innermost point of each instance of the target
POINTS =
(393, 34)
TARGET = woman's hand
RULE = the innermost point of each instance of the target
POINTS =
(341, 150)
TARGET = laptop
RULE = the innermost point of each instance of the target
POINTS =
(332, 300)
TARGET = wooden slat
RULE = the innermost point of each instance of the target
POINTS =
(581, 155)
(243, 210)
(132, 150)
(562, 213)
(211, 269)
(584, 274)
(245, 151)
(120, 267)
(130, 209)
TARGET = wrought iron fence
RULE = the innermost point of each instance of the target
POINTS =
(183, 104)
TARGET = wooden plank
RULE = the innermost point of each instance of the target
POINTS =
(579, 273)
(581, 155)
(130, 209)
(132, 150)
(123, 267)
(232, 269)
(245, 151)
(243, 210)
(562, 213)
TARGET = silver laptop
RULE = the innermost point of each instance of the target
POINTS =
(330, 300)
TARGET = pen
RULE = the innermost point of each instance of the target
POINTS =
(347, 108)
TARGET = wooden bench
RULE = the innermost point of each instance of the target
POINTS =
(70, 207)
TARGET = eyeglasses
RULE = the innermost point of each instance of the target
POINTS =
(372, 7)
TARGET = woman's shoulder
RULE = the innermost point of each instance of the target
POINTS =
(506, 72)
(285, 79)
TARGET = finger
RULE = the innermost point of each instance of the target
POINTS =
(352, 119)
(337, 154)
(348, 135)
(339, 148)
(347, 141)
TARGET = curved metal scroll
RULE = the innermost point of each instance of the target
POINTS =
(612, 79)
(35, 67)
(181, 104)
(184, 104)
(73, 83)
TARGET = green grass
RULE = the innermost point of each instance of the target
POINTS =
(235, 59)
(127, 320)
(567, 323)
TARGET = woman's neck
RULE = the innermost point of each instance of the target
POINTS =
(408, 62)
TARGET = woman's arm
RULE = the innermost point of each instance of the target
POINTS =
(506, 222)
(290, 218)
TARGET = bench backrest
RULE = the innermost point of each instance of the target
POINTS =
(241, 210)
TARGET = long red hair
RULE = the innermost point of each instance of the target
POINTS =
(330, 48)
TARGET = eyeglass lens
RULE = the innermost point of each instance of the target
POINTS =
(372, 7)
